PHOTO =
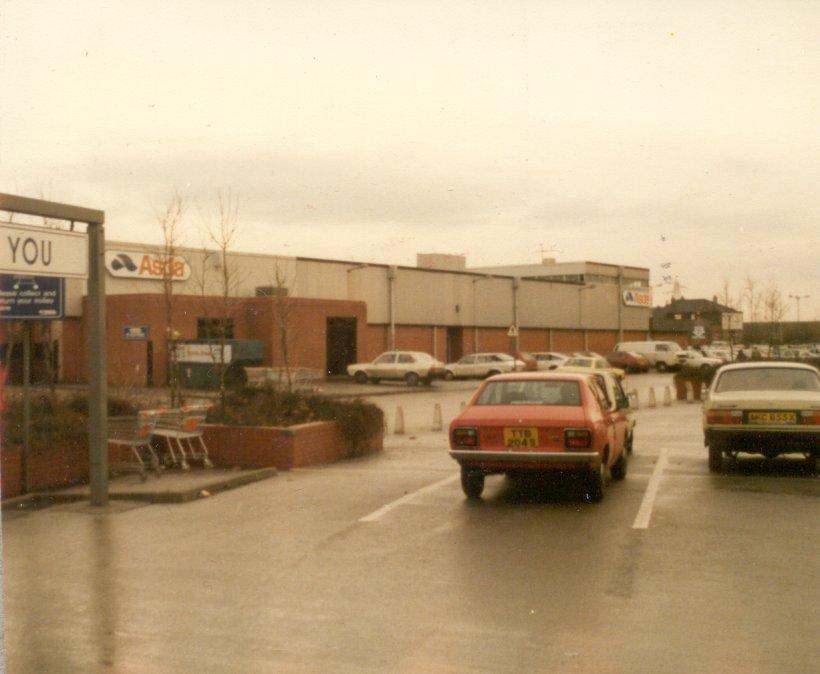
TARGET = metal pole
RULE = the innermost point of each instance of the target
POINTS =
(97, 379)
(516, 339)
(26, 406)
(620, 301)
(391, 280)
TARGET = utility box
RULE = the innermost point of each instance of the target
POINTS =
(200, 361)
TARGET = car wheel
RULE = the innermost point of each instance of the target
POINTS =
(661, 366)
(449, 376)
(715, 458)
(628, 445)
(597, 483)
(472, 482)
(618, 470)
(411, 378)
(360, 377)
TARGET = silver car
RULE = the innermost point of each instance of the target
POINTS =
(411, 366)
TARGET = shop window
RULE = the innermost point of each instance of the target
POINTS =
(214, 328)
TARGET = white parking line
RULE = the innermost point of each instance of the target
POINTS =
(372, 517)
(645, 511)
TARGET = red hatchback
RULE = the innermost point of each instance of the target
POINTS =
(539, 421)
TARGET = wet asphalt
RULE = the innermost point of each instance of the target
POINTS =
(283, 575)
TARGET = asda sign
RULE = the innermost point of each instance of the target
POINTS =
(128, 264)
(637, 298)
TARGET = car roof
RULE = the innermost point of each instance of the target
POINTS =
(767, 363)
(541, 376)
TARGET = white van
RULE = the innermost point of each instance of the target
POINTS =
(661, 355)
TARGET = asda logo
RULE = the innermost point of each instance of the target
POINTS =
(146, 266)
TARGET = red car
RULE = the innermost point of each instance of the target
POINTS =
(628, 361)
(540, 421)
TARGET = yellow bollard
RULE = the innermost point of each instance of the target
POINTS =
(437, 423)
(690, 392)
(667, 396)
(652, 401)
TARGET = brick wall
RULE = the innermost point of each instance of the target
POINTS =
(57, 465)
(567, 340)
(601, 341)
(286, 448)
(534, 340)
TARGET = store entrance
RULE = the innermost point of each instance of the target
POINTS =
(455, 344)
(341, 344)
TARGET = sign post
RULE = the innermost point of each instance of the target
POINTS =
(37, 251)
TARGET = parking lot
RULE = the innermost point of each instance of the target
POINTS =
(380, 564)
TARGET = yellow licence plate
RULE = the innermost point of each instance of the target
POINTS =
(772, 418)
(521, 437)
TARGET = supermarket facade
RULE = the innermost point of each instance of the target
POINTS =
(329, 313)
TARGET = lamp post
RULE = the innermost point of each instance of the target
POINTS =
(797, 299)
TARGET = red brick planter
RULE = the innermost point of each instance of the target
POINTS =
(56, 465)
(292, 447)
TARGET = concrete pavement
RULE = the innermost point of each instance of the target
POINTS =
(292, 574)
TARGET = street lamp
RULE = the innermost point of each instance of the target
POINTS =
(797, 299)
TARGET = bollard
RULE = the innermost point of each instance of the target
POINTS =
(398, 426)
(463, 404)
(634, 396)
(667, 396)
(652, 401)
(690, 392)
(437, 424)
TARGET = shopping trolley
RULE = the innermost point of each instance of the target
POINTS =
(134, 432)
(181, 429)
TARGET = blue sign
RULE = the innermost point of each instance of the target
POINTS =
(31, 297)
(135, 332)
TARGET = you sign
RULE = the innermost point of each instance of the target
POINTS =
(39, 251)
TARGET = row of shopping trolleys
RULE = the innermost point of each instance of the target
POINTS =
(178, 431)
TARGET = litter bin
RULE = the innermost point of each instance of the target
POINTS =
(200, 361)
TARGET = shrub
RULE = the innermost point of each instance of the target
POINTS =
(358, 420)
(55, 420)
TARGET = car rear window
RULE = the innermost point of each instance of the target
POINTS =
(768, 379)
(564, 393)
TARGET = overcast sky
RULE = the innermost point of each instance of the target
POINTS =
(642, 133)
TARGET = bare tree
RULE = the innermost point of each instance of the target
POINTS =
(753, 298)
(774, 310)
(170, 221)
(222, 233)
(283, 307)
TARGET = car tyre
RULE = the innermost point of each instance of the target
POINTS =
(661, 366)
(628, 445)
(449, 376)
(411, 379)
(360, 377)
(618, 470)
(472, 483)
(597, 483)
(715, 458)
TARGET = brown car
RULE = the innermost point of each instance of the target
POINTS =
(628, 361)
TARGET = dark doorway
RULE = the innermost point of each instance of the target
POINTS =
(149, 364)
(455, 344)
(341, 344)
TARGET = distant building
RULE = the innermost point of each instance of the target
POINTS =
(693, 321)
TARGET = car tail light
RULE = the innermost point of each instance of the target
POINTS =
(724, 417)
(577, 438)
(810, 417)
(465, 437)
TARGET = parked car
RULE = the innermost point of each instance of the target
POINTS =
(539, 421)
(619, 404)
(587, 354)
(481, 365)
(723, 355)
(628, 361)
(590, 365)
(549, 360)
(411, 366)
(768, 408)
(695, 359)
(661, 355)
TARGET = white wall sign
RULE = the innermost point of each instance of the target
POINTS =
(148, 266)
(637, 298)
(40, 251)
(202, 353)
